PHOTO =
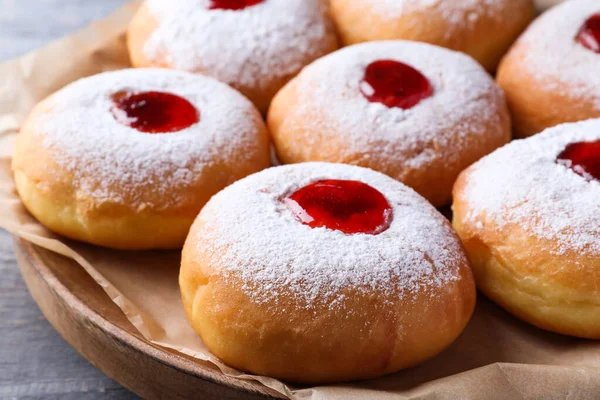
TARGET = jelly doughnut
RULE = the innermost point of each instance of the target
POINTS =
(484, 29)
(416, 112)
(256, 46)
(127, 159)
(321, 272)
(529, 219)
(550, 76)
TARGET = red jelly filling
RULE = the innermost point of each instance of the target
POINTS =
(589, 34)
(232, 4)
(394, 84)
(154, 112)
(347, 206)
(583, 158)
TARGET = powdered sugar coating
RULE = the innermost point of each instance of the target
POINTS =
(258, 240)
(111, 162)
(560, 62)
(457, 116)
(459, 14)
(248, 47)
(522, 184)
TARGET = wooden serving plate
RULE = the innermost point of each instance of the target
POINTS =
(90, 322)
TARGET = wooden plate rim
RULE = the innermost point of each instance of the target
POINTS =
(180, 363)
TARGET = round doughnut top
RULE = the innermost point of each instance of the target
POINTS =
(111, 162)
(522, 183)
(258, 240)
(551, 49)
(271, 38)
(459, 14)
(461, 98)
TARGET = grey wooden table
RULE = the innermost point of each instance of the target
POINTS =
(35, 362)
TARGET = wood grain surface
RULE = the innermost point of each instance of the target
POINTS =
(35, 362)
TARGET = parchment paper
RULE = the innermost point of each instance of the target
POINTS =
(497, 357)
